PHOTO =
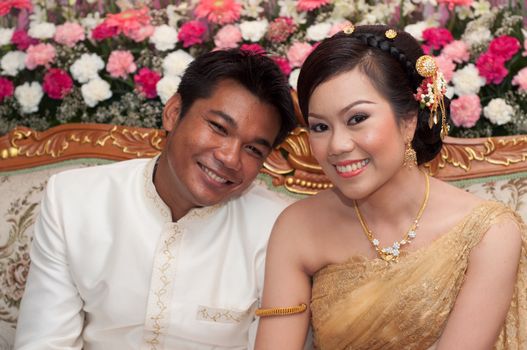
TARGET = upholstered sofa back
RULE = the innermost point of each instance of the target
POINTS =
(491, 168)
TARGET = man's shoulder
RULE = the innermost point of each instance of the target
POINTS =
(117, 169)
(261, 197)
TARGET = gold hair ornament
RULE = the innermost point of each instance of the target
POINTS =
(281, 311)
(390, 34)
(349, 29)
(431, 92)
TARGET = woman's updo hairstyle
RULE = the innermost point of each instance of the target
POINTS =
(390, 66)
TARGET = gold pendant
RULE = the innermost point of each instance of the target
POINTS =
(387, 256)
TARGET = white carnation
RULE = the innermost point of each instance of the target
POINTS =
(318, 32)
(5, 35)
(479, 36)
(378, 14)
(87, 67)
(252, 8)
(288, 9)
(95, 91)
(13, 62)
(164, 38)
(167, 86)
(342, 9)
(293, 78)
(253, 30)
(176, 63)
(28, 96)
(91, 21)
(467, 80)
(41, 30)
(498, 111)
(481, 7)
(416, 29)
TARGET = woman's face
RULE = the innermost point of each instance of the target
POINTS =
(354, 134)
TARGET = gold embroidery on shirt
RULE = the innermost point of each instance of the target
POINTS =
(162, 292)
(218, 315)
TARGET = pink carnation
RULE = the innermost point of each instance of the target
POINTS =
(310, 5)
(141, 33)
(6, 88)
(228, 37)
(465, 110)
(520, 79)
(504, 46)
(7, 5)
(22, 40)
(40, 55)
(219, 11)
(57, 83)
(120, 64)
(280, 29)
(457, 51)
(492, 68)
(452, 3)
(298, 53)
(436, 38)
(146, 81)
(283, 64)
(69, 34)
(104, 31)
(191, 33)
(254, 48)
(446, 66)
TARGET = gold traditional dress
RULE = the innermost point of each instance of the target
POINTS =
(372, 304)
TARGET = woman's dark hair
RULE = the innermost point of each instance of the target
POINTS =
(257, 73)
(390, 66)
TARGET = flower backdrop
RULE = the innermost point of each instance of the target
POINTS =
(118, 62)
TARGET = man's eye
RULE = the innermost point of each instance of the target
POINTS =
(357, 118)
(255, 151)
(218, 127)
(318, 127)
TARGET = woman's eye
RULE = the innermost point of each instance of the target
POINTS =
(318, 127)
(218, 127)
(357, 118)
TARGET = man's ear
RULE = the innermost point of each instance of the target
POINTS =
(171, 112)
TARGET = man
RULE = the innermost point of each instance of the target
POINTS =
(165, 253)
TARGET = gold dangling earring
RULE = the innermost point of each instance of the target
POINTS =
(410, 157)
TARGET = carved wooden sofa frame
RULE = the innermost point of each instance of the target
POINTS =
(494, 167)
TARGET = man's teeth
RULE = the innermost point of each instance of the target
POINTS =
(214, 176)
(352, 167)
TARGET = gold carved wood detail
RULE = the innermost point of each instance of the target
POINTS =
(24, 148)
(291, 164)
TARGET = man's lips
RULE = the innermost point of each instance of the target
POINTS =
(220, 179)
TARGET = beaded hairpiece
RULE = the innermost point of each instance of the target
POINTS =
(430, 94)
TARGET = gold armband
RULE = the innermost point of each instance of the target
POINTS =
(281, 311)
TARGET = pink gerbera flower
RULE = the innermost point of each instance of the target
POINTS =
(219, 11)
(7, 5)
(310, 5)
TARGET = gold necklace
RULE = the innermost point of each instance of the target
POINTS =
(391, 253)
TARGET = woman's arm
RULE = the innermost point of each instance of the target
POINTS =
(286, 284)
(482, 304)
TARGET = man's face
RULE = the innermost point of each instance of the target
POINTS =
(217, 149)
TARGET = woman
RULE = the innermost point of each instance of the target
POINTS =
(389, 258)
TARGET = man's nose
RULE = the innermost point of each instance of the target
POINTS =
(229, 154)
